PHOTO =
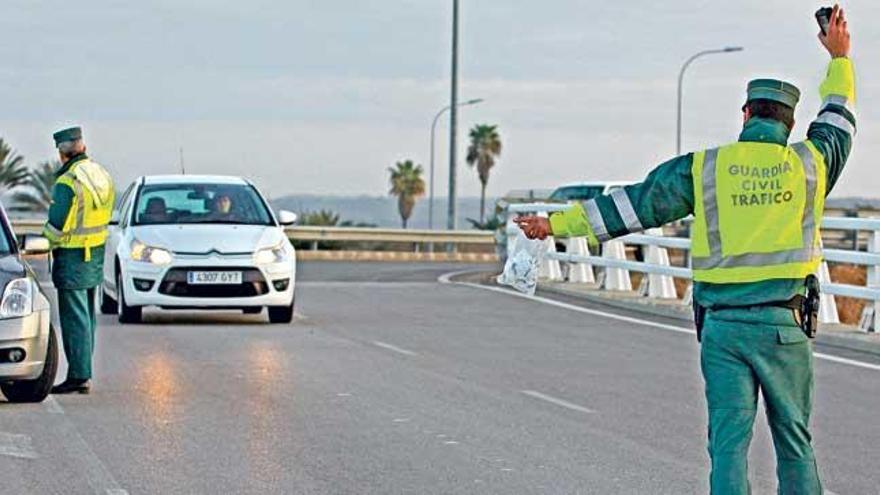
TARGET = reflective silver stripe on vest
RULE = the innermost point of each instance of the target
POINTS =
(807, 252)
(838, 100)
(597, 223)
(710, 210)
(626, 210)
(81, 209)
(836, 120)
(88, 230)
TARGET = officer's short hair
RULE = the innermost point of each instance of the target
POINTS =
(769, 109)
(71, 147)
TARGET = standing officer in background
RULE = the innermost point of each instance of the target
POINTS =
(82, 201)
(757, 206)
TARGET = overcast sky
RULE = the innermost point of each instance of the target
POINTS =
(321, 96)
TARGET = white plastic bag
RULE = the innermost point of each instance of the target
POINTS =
(523, 260)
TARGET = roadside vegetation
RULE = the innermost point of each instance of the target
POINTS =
(408, 185)
(483, 153)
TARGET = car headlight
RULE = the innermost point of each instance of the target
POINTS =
(273, 254)
(17, 298)
(149, 254)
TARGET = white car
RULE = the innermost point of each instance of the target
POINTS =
(197, 242)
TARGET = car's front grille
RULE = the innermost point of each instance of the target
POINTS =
(252, 283)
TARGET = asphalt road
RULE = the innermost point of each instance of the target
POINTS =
(389, 382)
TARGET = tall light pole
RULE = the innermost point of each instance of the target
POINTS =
(695, 56)
(433, 127)
(453, 120)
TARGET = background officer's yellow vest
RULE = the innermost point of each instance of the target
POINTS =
(757, 208)
(89, 214)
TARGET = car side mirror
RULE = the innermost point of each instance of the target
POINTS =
(34, 244)
(287, 217)
(114, 217)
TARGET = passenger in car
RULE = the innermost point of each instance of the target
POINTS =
(155, 212)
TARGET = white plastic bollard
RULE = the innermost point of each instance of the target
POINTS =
(871, 313)
(549, 269)
(616, 278)
(827, 304)
(580, 273)
(659, 286)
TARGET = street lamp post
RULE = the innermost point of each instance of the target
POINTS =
(453, 121)
(431, 179)
(728, 49)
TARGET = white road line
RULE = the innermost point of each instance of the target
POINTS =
(15, 445)
(366, 284)
(394, 348)
(446, 279)
(558, 402)
(91, 467)
(851, 362)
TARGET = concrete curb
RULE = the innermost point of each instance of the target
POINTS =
(305, 255)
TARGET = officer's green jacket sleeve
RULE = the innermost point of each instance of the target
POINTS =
(833, 129)
(62, 199)
(666, 195)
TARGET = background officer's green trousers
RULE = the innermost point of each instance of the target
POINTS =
(76, 312)
(744, 351)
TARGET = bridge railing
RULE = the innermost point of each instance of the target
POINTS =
(347, 235)
(659, 272)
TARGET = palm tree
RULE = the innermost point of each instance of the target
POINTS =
(12, 170)
(483, 151)
(40, 182)
(407, 184)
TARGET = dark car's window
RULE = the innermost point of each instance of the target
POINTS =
(580, 193)
(159, 204)
(5, 236)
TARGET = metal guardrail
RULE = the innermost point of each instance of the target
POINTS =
(366, 234)
(660, 272)
(343, 234)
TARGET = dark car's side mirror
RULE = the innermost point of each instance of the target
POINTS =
(34, 244)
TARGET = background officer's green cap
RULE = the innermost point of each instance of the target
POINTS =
(69, 134)
(775, 90)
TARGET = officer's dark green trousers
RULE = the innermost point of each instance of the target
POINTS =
(744, 351)
(76, 312)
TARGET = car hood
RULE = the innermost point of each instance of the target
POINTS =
(221, 238)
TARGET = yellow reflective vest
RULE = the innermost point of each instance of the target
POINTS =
(757, 209)
(89, 213)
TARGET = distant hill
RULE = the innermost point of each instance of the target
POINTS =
(382, 210)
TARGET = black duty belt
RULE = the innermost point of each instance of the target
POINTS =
(806, 309)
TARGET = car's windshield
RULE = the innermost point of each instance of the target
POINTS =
(200, 203)
(581, 193)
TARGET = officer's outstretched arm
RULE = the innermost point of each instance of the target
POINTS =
(833, 130)
(666, 195)
(62, 199)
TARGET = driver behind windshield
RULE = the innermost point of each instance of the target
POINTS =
(220, 208)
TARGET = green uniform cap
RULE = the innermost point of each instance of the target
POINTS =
(774, 90)
(69, 134)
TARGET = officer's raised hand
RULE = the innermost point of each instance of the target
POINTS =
(534, 227)
(837, 39)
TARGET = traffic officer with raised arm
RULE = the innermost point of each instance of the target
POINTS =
(757, 205)
(82, 201)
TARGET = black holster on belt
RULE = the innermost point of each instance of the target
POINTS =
(699, 319)
(806, 309)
